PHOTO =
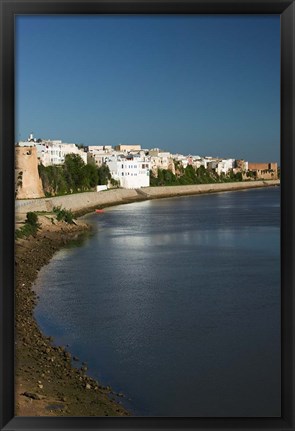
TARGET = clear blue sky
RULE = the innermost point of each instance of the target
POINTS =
(205, 85)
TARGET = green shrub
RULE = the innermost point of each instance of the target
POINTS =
(32, 219)
(30, 227)
(63, 214)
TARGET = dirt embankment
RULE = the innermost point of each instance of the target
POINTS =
(49, 382)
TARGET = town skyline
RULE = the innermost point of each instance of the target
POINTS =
(193, 84)
(32, 139)
(126, 166)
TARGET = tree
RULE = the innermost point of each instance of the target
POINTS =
(90, 176)
(190, 174)
(153, 179)
(104, 175)
(73, 168)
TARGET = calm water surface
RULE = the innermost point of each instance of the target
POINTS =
(175, 303)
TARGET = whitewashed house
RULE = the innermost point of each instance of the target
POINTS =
(132, 172)
(99, 153)
(161, 160)
(180, 158)
(224, 166)
(53, 152)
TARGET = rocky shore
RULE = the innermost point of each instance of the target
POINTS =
(49, 382)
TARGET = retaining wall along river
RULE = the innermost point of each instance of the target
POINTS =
(80, 202)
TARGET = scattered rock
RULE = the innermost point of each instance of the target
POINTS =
(33, 395)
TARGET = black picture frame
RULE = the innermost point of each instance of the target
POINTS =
(8, 11)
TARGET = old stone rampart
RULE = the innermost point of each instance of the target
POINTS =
(166, 191)
(81, 202)
(77, 201)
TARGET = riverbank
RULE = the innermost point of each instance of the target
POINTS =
(81, 203)
(49, 382)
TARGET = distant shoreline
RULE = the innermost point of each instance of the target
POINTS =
(83, 203)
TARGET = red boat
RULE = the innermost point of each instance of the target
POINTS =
(99, 211)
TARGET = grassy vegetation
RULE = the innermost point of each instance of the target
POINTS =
(63, 214)
(30, 227)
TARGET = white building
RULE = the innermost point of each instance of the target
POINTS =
(224, 166)
(196, 161)
(132, 172)
(99, 153)
(180, 158)
(161, 160)
(53, 152)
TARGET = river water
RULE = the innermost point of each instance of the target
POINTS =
(175, 303)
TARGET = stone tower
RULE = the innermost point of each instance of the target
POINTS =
(28, 184)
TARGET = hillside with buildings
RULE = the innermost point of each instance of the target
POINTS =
(54, 167)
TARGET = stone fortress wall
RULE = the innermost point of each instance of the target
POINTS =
(83, 201)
